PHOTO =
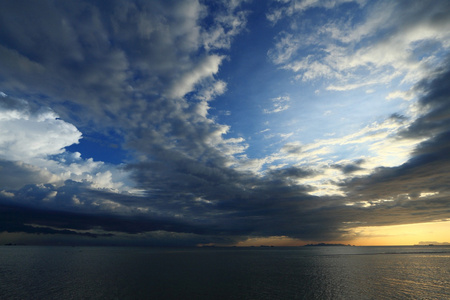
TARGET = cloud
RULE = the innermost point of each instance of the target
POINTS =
(379, 139)
(279, 104)
(32, 150)
(229, 22)
(285, 47)
(425, 172)
(137, 69)
(407, 95)
(27, 131)
(119, 57)
(434, 102)
(291, 172)
(376, 50)
(351, 167)
(291, 7)
(148, 71)
(15, 175)
(125, 67)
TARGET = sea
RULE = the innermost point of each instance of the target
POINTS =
(327, 272)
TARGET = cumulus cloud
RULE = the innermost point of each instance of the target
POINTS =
(27, 131)
(32, 150)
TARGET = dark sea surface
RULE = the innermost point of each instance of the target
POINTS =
(333, 272)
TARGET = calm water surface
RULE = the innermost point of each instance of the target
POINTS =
(29, 272)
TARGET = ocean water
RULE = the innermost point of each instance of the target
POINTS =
(41, 272)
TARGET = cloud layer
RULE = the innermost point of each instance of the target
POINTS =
(150, 73)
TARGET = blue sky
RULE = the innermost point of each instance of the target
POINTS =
(198, 122)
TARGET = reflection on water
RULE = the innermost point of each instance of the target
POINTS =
(275, 273)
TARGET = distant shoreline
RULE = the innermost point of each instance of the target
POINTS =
(326, 245)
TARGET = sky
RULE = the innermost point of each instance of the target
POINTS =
(188, 123)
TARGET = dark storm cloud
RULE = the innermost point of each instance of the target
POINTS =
(107, 60)
(223, 204)
(32, 205)
(292, 172)
(349, 168)
(15, 175)
(425, 173)
(22, 219)
(43, 50)
(435, 101)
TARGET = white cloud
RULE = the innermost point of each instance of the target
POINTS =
(213, 90)
(205, 68)
(376, 144)
(27, 133)
(227, 24)
(287, 8)
(32, 150)
(406, 95)
(386, 45)
(305, 4)
(279, 104)
(285, 48)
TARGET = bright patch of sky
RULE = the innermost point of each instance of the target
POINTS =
(334, 72)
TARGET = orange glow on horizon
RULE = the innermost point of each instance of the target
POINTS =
(396, 235)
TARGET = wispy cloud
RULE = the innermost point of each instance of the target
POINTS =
(279, 104)
(377, 50)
